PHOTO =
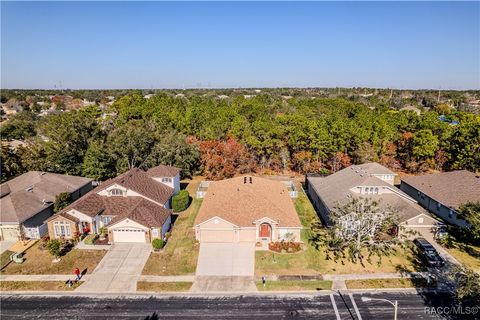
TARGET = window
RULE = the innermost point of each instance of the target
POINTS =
(166, 180)
(62, 229)
(420, 220)
(106, 220)
(450, 214)
(116, 192)
(376, 190)
(438, 206)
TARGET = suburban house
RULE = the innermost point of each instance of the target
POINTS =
(370, 180)
(443, 193)
(134, 207)
(247, 209)
(27, 201)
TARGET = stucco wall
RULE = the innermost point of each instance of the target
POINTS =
(51, 230)
(320, 208)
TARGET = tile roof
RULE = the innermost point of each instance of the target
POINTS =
(449, 188)
(23, 196)
(163, 171)
(242, 203)
(140, 182)
(334, 190)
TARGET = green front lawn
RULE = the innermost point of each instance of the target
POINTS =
(163, 286)
(40, 262)
(294, 285)
(5, 258)
(37, 286)
(313, 262)
(467, 255)
(181, 251)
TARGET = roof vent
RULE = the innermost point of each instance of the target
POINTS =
(43, 173)
(29, 189)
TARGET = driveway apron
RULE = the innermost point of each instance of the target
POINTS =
(119, 270)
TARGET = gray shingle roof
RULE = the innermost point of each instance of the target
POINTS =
(449, 188)
(334, 190)
(23, 196)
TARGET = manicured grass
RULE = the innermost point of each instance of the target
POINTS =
(40, 262)
(467, 255)
(37, 286)
(294, 285)
(313, 262)
(388, 283)
(163, 286)
(181, 251)
(5, 258)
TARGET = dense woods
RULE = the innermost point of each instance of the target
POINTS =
(221, 136)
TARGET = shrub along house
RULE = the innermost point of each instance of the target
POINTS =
(134, 207)
(247, 209)
(27, 200)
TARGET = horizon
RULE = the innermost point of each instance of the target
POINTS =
(192, 45)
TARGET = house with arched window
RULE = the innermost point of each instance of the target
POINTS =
(134, 207)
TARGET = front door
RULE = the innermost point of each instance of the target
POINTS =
(265, 230)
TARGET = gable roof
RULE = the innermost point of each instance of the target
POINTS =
(23, 197)
(243, 203)
(163, 171)
(139, 181)
(373, 168)
(64, 215)
(334, 190)
(145, 213)
(449, 188)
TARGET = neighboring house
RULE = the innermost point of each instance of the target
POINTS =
(134, 207)
(27, 201)
(443, 193)
(247, 209)
(370, 180)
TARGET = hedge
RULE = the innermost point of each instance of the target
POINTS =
(181, 201)
(158, 244)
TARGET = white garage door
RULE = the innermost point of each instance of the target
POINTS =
(128, 235)
(10, 233)
(216, 236)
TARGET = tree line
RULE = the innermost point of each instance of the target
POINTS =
(222, 137)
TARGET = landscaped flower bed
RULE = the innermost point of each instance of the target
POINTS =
(285, 246)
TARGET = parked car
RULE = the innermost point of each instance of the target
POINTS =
(428, 253)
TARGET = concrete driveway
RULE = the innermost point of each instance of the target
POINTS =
(119, 270)
(225, 267)
(5, 245)
(226, 259)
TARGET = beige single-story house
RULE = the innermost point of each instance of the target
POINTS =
(134, 207)
(27, 201)
(247, 209)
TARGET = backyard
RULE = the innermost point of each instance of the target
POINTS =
(313, 262)
(180, 254)
(39, 261)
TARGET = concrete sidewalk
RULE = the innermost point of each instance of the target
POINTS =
(167, 278)
(40, 277)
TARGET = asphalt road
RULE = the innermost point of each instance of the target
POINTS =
(410, 306)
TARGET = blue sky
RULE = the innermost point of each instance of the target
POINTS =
(248, 44)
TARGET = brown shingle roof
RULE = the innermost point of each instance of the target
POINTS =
(146, 213)
(241, 203)
(65, 215)
(163, 171)
(139, 181)
(18, 204)
(449, 188)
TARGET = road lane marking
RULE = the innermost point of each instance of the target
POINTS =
(355, 306)
(335, 307)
